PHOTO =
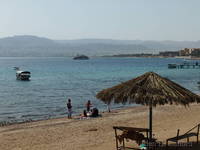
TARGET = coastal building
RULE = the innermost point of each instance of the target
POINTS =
(185, 52)
(189, 52)
(196, 52)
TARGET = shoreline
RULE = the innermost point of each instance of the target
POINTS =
(153, 56)
(75, 116)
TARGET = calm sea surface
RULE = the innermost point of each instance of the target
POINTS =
(56, 79)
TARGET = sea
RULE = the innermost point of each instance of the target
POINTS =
(55, 79)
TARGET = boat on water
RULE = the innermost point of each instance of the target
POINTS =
(22, 75)
(172, 66)
(81, 57)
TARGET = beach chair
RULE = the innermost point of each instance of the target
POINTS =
(187, 135)
(129, 133)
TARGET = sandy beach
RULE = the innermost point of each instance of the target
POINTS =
(90, 134)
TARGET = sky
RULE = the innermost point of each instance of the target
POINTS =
(101, 19)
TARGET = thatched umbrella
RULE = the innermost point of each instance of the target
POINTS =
(148, 89)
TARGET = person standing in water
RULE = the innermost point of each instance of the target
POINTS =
(69, 107)
(108, 106)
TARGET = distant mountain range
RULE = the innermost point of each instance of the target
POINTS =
(27, 45)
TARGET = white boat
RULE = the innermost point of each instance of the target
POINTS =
(22, 75)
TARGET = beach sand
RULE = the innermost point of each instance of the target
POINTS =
(96, 134)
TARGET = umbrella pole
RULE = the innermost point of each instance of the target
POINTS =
(150, 122)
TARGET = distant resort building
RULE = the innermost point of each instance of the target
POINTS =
(190, 52)
(196, 52)
(193, 52)
(185, 52)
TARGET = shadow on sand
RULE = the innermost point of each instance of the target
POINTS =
(179, 146)
(182, 146)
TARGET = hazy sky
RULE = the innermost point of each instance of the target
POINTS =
(113, 19)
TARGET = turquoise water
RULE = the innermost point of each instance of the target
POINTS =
(56, 79)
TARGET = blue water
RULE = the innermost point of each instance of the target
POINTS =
(56, 79)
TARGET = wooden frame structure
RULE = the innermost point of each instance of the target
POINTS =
(121, 128)
(187, 135)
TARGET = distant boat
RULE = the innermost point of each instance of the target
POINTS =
(81, 57)
(172, 66)
(22, 75)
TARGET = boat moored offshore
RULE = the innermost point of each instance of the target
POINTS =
(81, 57)
(22, 75)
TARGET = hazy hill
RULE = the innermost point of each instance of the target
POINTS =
(27, 46)
(142, 46)
(25, 40)
(36, 46)
(148, 44)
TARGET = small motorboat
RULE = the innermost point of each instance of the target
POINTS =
(22, 75)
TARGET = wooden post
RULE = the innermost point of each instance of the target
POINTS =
(116, 138)
(177, 138)
(123, 144)
(108, 105)
(198, 133)
(150, 121)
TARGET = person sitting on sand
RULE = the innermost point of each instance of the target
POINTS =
(69, 107)
(88, 105)
(95, 112)
(84, 113)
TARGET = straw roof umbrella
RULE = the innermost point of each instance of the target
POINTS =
(148, 89)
